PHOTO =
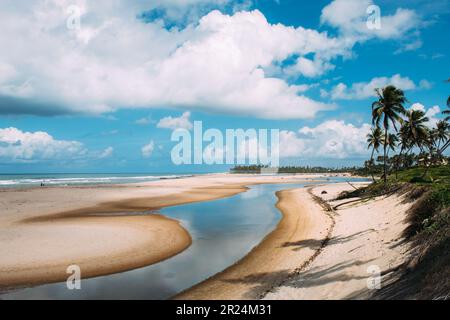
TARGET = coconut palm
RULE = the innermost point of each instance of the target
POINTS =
(437, 135)
(416, 127)
(442, 132)
(374, 140)
(388, 110)
(405, 140)
(391, 142)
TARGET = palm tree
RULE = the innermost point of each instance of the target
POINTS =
(416, 127)
(443, 128)
(374, 140)
(405, 139)
(388, 109)
(442, 132)
(391, 143)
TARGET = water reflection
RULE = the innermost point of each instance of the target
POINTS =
(223, 231)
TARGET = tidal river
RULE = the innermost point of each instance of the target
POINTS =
(223, 231)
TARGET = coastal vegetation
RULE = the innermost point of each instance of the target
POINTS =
(408, 158)
(419, 171)
(257, 169)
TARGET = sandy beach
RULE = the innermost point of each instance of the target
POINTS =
(103, 229)
(271, 262)
(314, 252)
(317, 254)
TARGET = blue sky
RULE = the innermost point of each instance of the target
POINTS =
(91, 97)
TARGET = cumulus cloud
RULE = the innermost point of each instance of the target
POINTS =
(363, 90)
(309, 68)
(147, 150)
(181, 122)
(350, 18)
(17, 146)
(330, 139)
(115, 60)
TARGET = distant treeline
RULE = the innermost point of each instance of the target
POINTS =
(295, 169)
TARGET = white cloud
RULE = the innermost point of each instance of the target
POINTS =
(145, 121)
(181, 122)
(147, 150)
(17, 146)
(330, 139)
(363, 90)
(116, 61)
(350, 17)
(309, 68)
(412, 46)
(108, 152)
(431, 113)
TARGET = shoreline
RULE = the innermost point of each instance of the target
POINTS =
(34, 223)
(311, 253)
(332, 255)
(272, 260)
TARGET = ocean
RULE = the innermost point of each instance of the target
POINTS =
(79, 179)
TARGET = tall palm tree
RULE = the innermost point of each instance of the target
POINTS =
(443, 128)
(442, 132)
(386, 110)
(374, 140)
(405, 139)
(416, 127)
(391, 143)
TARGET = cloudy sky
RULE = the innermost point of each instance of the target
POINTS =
(98, 86)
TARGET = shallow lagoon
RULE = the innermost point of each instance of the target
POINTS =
(223, 231)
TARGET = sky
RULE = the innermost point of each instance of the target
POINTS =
(100, 86)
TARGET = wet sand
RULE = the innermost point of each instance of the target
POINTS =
(276, 257)
(316, 252)
(103, 229)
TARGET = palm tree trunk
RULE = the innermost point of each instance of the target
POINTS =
(371, 161)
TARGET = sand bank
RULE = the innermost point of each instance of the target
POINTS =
(276, 257)
(366, 239)
(103, 229)
(315, 253)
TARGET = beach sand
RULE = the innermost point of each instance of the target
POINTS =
(366, 241)
(103, 229)
(312, 254)
(316, 254)
(274, 258)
